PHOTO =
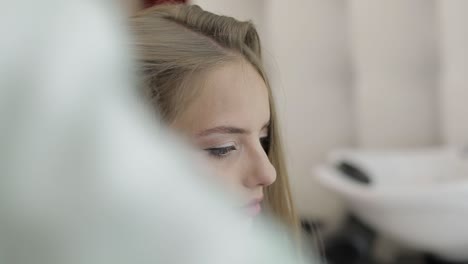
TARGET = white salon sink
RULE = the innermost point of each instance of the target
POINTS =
(417, 197)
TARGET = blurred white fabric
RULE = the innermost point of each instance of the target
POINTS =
(86, 175)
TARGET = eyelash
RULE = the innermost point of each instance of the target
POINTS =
(265, 141)
(221, 152)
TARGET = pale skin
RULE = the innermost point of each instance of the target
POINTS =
(228, 122)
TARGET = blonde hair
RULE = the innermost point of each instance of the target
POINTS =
(175, 43)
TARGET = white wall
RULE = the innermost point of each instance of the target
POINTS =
(395, 55)
(454, 83)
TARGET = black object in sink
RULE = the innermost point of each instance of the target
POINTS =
(353, 172)
(431, 259)
(353, 244)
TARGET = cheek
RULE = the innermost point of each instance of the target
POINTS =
(228, 171)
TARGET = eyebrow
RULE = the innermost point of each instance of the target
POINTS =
(227, 130)
(223, 130)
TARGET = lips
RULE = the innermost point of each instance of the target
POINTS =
(254, 207)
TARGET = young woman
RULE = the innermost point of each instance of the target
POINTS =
(203, 73)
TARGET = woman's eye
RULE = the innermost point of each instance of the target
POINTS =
(265, 141)
(220, 152)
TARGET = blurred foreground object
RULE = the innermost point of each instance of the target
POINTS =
(86, 176)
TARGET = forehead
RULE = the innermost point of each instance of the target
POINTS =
(233, 95)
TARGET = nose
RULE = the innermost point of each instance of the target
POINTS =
(261, 172)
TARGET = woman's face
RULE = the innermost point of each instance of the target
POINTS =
(229, 123)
